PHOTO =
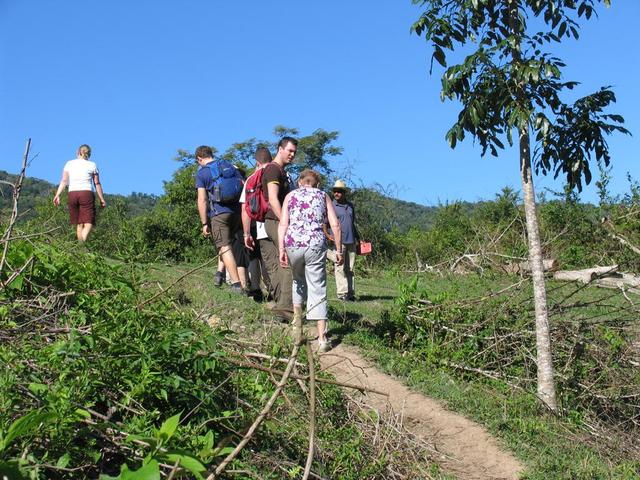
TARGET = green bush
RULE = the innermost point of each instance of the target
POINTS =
(93, 369)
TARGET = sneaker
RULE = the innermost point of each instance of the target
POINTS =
(236, 288)
(324, 347)
(342, 298)
(218, 279)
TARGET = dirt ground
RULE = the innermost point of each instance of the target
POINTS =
(468, 450)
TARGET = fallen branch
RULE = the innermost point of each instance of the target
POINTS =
(360, 388)
(261, 417)
(586, 275)
(264, 356)
(312, 410)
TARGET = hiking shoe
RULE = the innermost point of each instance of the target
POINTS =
(218, 279)
(283, 315)
(257, 295)
(296, 324)
(271, 305)
(236, 288)
(324, 347)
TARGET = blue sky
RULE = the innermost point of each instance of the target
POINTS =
(138, 80)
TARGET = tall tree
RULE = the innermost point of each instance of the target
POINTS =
(508, 85)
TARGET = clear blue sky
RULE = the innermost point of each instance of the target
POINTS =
(138, 80)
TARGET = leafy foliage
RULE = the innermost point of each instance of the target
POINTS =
(508, 82)
(90, 392)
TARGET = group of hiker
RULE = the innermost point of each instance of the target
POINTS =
(278, 232)
(265, 229)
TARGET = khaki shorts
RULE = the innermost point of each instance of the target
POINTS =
(224, 228)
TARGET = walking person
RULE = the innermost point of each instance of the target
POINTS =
(303, 246)
(82, 177)
(254, 231)
(345, 211)
(219, 219)
(276, 185)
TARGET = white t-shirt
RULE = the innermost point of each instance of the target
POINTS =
(81, 174)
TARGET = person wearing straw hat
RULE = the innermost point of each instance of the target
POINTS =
(345, 283)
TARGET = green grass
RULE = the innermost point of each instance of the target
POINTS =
(548, 446)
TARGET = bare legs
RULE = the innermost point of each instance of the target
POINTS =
(229, 263)
(83, 230)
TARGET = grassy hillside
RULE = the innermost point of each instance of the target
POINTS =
(35, 190)
(389, 213)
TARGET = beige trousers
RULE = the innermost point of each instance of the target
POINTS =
(345, 282)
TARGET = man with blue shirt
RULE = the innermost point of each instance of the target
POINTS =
(222, 221)
(345, 286)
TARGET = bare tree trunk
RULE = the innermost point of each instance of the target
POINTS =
(546, 384)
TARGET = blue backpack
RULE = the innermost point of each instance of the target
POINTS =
(226, 186)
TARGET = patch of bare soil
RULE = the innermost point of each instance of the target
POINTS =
(466, 449)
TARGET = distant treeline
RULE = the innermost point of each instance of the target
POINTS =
(142, 228)
(35, 190)
(390, 213)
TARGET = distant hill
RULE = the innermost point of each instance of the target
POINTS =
(371, 205)
(35, 189)
(390, 213)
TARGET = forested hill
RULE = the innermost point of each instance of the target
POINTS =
(391, 213)
(385, 211)
(35, 189)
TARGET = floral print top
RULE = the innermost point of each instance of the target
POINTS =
(307, 214)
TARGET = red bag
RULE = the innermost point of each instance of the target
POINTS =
(363, 248)
(255, 203)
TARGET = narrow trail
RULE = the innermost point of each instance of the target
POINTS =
(468, 450)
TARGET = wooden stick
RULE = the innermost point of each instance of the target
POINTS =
(261, 417)
(301, 377)
(14, 213)
(312, 410)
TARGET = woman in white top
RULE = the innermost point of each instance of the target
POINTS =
(82, 177)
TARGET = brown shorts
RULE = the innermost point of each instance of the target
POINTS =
(82, 207)
(224, 228)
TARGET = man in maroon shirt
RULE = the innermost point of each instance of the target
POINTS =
(276, 185)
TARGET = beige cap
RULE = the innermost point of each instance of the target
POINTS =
(340, 185)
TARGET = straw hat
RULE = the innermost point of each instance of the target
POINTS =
(340, 185)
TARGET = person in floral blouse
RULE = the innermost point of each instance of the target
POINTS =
(302, 245)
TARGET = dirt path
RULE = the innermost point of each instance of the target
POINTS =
(468, 450)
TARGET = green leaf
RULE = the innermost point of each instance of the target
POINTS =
(81, 413)
(38, 388)
(25, 425)
(149, 471)
(562, 29)
(438, 54)
(168, 428)
(16, 283)
(63, 461)
(186, 461)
